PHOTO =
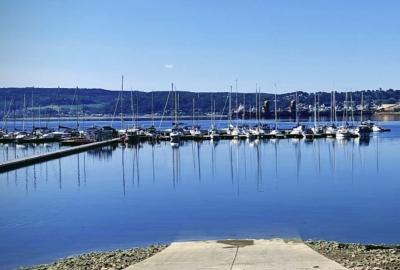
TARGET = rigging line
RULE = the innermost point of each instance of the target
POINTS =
(165, 107)
(115, 110)
(223, 109)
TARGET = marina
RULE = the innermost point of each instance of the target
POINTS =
(143, 193)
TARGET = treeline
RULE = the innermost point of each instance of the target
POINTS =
(49, 101)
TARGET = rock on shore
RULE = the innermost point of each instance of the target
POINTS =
(112, 260)
(358, 256)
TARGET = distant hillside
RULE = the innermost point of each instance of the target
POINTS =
(104, 102)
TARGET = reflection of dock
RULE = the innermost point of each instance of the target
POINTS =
(25, 161)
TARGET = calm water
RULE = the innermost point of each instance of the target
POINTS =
(10, 151)
(119, 197)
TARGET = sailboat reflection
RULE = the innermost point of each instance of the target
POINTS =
(123, 170)
(175, 166)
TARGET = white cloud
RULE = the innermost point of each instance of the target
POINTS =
(168, 66)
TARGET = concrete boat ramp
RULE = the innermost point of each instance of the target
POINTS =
(274, 254)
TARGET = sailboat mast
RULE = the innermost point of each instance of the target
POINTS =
(33, 114)
(362, 106)
(77, 108)
(152, 108)
(137, 110)
(334, 107)
(315, 109)
(175, 105)
(24, 114)
(230, 107)
(352, 109)
(211, 112)
(244, 108)
(318, 109)
(236, 106)
(214, 113)
(122, 92)
(346, 109)
(296, 100)
(276, 115)
(193, 113)
(132, 109)
(257, 105)
(58, 107)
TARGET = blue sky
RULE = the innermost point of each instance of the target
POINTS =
(201, 45)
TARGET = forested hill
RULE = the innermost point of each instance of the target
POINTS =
(101, 101)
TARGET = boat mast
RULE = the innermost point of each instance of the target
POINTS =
(58, 107)
(276, 113)
(297, 119)
(334, 107)
(230, 107)
(33, 114)
(215, 122)
(132, 109)
(362, 106)
(352, 109)
(76, 107)
(198, 109)
(318, 109)
(257, 106)
(15, 120)
(211, 112)
(122, 92)
(344, 109)
(152, 108)
(137, 110)
(193, 113)
(236, 106)
(23, 114)
(175, 104)
(331, 113)
(315, 109)
(244, 108)
(40, 120)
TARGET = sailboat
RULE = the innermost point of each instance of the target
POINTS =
(176, 133)
(330, 130)
(363, 129)
(151, 132)
(195, 131)
(343, 131)
(213, 132)
(131, 133)
(257, 130)
(298, 130)
(237, 131)
(317, 129)
(276, 132)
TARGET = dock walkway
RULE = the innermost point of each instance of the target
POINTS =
(274, 254)
(26, 161)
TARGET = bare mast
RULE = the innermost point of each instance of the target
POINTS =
(122, 92)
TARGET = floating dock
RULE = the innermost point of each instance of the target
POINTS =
(26, 161)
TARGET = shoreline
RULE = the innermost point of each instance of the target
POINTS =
(350, 255)
(104, 260)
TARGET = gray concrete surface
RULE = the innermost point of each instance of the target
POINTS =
(274, 254)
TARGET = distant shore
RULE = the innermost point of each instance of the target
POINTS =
(156, 117)
(352, 256)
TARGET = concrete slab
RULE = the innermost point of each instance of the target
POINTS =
(274, 254)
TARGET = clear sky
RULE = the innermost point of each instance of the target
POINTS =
(201, 45)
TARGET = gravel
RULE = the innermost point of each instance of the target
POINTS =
(352, 256)
(358, 256)
(111, 260)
